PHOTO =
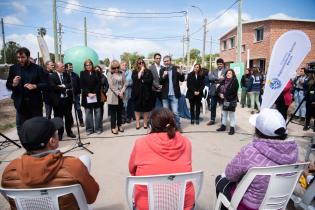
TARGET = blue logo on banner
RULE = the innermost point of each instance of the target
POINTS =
(275, 83)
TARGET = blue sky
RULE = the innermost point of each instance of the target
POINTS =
(103, 30)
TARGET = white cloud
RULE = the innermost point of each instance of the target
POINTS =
(10, 19)
(30, 41)
(280, 16)
(19, 7)
(228, 20)
(71, 6)
(111, 15)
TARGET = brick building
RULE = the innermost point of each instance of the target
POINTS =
(259, 37)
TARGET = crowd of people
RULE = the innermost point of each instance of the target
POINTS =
(151, 93)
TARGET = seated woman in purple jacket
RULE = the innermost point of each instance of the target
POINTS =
(269, 148)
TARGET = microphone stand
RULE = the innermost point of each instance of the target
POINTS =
(78, 143)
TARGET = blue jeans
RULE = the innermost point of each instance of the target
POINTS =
(298, 97)
(90, 120)
(172, 104)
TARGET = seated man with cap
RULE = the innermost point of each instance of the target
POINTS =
(270, 147)
(44, 166)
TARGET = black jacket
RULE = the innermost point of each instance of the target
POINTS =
(176, 78)
(90, 83)
(230, 94)
(194, 84)
(33, 74)
(54, 82)
(245, 80)
(75, 82)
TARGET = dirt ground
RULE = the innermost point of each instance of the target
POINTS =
(7, 114)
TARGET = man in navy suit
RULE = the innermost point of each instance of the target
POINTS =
(26, 80)
(60, 83)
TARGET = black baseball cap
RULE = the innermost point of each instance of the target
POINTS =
(36, 132)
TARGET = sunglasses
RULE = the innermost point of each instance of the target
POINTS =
(114, 68)
(141, 62)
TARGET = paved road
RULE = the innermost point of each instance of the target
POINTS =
(211, 152)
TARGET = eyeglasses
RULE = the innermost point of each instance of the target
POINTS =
(114, 68)
(88, 65)
(141, 62)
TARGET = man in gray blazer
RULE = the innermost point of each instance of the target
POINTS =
(156, 87)
(215, 77)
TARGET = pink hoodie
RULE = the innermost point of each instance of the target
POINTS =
(157, 154)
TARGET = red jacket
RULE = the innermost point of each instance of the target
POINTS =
(157, 154)
(287, 93)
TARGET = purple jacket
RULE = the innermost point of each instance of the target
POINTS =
(260, 153)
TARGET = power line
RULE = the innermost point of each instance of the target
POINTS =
(217, 17)
(25, 26)
(121, 38)
(125, 37)
(122, 12)
(123, 16)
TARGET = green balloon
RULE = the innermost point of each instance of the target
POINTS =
(77, 56)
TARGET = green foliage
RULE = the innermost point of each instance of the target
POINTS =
(10, 51)
(131, 57)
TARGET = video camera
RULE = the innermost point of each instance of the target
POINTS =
(311, 68)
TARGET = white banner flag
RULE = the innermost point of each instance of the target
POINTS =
(43, 48)
(287, 54)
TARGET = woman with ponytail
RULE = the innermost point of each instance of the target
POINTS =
(163, 151)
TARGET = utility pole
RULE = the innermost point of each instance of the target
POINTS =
(187, 39)
(3, 40)
(55, 30)
(85, 32)
(204, 41)
(239, 32)
(60, 41)
(210, 67)
(183, 48)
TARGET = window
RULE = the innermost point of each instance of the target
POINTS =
(224, 45)
(243, 48)
(232, 42)
(259, 34)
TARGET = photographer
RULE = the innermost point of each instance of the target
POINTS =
(309, 87)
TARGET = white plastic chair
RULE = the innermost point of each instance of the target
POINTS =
(167, 190)
(306, 200)
(204, 99)
(44, 198)
(283, 180)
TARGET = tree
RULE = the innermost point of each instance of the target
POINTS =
(195, 55)
(106, 62)
(131, 57)
(10, 51)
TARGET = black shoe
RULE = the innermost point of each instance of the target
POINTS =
(71, 135)
(60, 137)
(197, 122)
(211, 122)
(192, 122)
(128, 121)
(306, 127)
(232, 131)
(222, 128)
(243, 105)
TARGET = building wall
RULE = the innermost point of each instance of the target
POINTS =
(273, 29)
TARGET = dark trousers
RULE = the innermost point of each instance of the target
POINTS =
(213, 107)
(310, 112)
(21, 117)
(115, 114)
(157, 99)
(64, 110)
(130, 109)
(224, 186)
(77, 107)
(195, 104)
(48, 109)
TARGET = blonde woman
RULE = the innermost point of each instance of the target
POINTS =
(117, 86)
(90, 81)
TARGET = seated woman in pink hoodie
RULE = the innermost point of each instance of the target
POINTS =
(270, 147)
(163, 151)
